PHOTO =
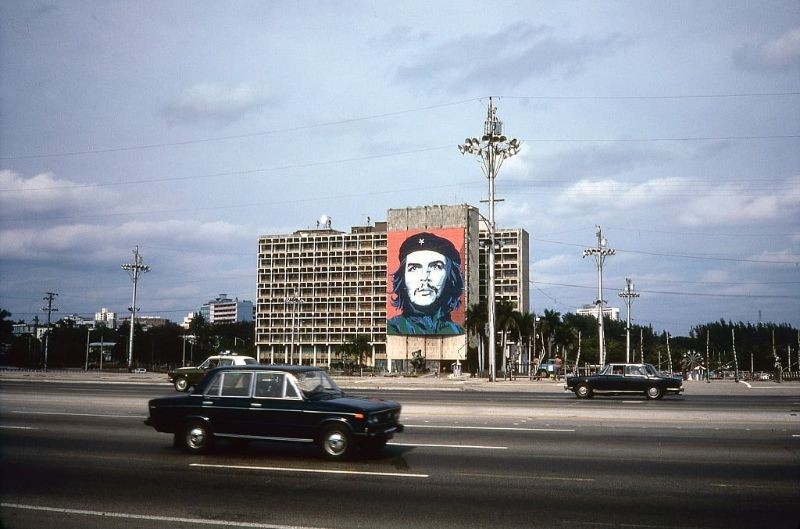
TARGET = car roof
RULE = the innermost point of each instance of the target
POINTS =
(271, 367)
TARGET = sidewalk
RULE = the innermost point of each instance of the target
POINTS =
(410, 383)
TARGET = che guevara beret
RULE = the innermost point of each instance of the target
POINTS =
(430, 242)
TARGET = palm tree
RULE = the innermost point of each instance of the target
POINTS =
(476, 317)
(506, 320)
(548, 328)
(526, 325)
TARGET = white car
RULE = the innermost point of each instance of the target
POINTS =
(184, 378)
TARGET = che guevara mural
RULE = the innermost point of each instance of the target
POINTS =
(425, 282)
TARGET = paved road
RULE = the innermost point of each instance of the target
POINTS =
(77, 455)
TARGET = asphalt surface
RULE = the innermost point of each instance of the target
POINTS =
(474, 454)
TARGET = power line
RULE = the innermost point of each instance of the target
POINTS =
(674, 293)
(681, 256)
(237, 136)
(286, 130)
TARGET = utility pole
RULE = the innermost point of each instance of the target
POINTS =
(628, 295)
(492, 150)
(134, 270)
(50, 309)
(600, 252)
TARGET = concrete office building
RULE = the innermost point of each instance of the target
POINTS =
(611, 313)
(318, 288)
(226, 310)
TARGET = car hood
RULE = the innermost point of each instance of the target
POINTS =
(367, 404)
(187, 369)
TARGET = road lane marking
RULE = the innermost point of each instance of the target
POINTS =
(476, 447)
(79, 414)
(17, 427)
(153, 518)
(310, 470)
(503, 428)
(533, 477)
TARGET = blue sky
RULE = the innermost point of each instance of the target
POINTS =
(192, 128)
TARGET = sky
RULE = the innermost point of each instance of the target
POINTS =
(189, 129)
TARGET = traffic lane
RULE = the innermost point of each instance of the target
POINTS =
(753, 401)
(548, 465)
(460, 491)
(111, 394)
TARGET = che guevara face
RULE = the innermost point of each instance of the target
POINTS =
(425, 273)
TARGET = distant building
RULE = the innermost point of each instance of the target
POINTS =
(226, 310)
(611, 313)
(147, 322)
(21, 329)
(105, 318)
(187, 320)
(78, 321)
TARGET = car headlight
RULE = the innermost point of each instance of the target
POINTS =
(372, 419)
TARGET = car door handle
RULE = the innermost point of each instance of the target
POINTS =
(208, 402)
(255, 404)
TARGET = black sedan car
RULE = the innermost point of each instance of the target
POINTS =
(275, 403)
(625, 378)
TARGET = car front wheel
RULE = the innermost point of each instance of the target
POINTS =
(654, 392)
(181, 384)
(197, 438)
(583, 391)
(335, 442)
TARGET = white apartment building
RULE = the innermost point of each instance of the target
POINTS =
(512, 266)
(226, 310)
(611, 313)
(318, 288)
(105, 318)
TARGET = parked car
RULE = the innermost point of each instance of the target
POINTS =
(184, 378)
(275, 403)
(625, 378)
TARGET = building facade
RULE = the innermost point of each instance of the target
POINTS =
(226, 310)
(319, 288)
(611, 313)
(512, 268)
(105, 318)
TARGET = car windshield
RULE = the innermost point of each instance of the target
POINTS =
(318, 385)
(250, 362)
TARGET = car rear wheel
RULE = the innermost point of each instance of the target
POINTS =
(583, 391)
(335, 442)
(197, 438)
(654, 392)
(543, 374)
(181, 384)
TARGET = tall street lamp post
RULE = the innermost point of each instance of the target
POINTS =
(491, 150)
(600, 252)
(135, 269)
(628, 295)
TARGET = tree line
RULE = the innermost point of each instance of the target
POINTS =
(549, 334)
(155, 347)
(566, 335)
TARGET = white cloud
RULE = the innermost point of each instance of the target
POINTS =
(217, 103)
(779, 53)
(616, 194)
(21, 197)
(738, 204)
